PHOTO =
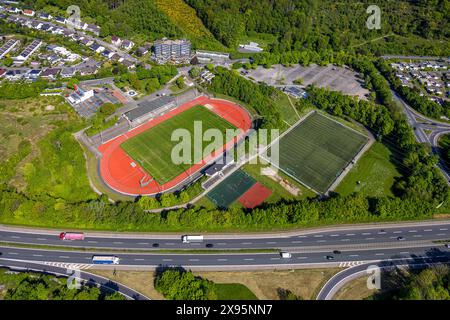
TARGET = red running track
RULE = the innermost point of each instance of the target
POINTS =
(254, 196)
(122, 174)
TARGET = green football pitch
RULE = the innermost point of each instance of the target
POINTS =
(317, 150)
(152, 149)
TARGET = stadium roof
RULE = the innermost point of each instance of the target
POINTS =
(146, 107)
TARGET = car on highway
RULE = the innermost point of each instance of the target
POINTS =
(209, 245)
(400, 238)
(155, 245)
(447, 246)
(71, 236)
(382, 231)
(329, 257)
(285, 255)
(336, 252)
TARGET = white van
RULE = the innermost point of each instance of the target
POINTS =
(286, 255)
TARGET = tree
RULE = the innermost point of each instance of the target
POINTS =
(108, 109)
(180, 82)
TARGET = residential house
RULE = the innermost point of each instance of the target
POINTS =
(127, 44)
(68, 72)
(45, 16)
(61, 20)
(93, 28)
(127, 63)
(50, 73)
(116, 41)
(29, 12)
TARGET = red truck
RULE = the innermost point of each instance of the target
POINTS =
(71, 236)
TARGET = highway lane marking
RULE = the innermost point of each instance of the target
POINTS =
(397, 231)
(417, 236)
(170, 243)
(345, 239)
(15, 237)
(412, 231)
(194, 260)
(13, 253)
(321, 241)
(167, 259)
(302, 258)
(318, 236)
(443, 229)
(350, 234)
(393, 237)
(143, 243)
(222, 259)
(41, 239)
(138, 259)
(247, 243)
(370, 239)
(298, 241)
(90, 241)
(118, 242)
(249, 259)
(274, 258)
(64, 257)
(428, 230)
(222, 243)
(441, 234)
(37, 255)
(301, 236)
(354, 255)
(379, 254)
(366, 233)
(334, 235)
(271, 242)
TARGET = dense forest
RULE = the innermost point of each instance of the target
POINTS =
(321, 25)
(420, 27)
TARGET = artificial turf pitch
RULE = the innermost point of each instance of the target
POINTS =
(317, 150)
(152, 149)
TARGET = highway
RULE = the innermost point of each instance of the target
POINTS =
(338, 237)
(340, 279)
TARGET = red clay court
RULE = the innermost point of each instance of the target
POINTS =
(254, 196)
(122, 174)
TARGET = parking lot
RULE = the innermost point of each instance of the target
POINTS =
(89, 107)
(332, 77)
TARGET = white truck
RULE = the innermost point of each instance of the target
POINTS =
(286, 255)
(189, 239)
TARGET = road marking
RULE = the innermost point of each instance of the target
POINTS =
(249, 259)
(167, 259)
(64, 257)
(15, 237)
(350, 234)
(428, 230)
(354, 255)
(404, 252)
(37, 255)
(393, 237)
(302, 258)
(443, 229)
(379, 254)
(118, 242)
(417, 236)
(302, 236)
(222, 243)
(271, 242)
(12, 253)
(441, 234)
(170, 243)
(318, 236)
(247, 242)
(92, 241)
(412, 231)
(274, 258)
(370, 239)
(397, 231)
(222, 259)
(345, 239)
(298, 241)
(366, 233)
(41, 239)
(143, 243)
(194, 260)
(138, 259)
(334, 235)
(321, 241)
